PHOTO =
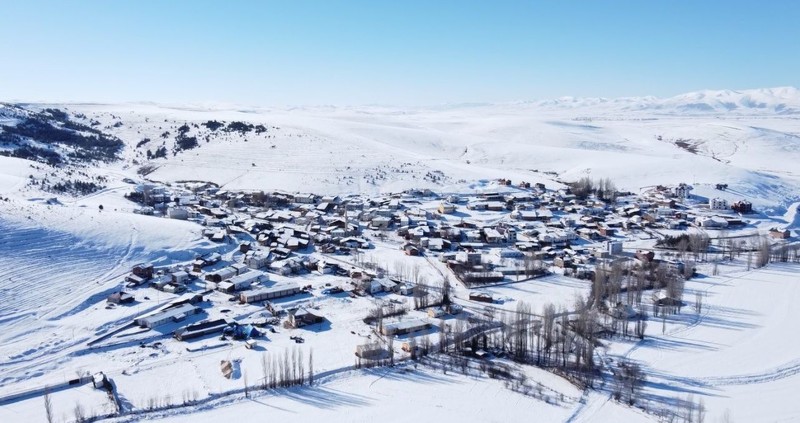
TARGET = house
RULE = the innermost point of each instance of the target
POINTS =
(180, 213)
(243, 281)
(180, 277)
(468, 258)
(325, 207)
(218, 236)
(437, 244)
(374, 286)
(388, 285)
(100, 381)
(477, 206)
(492, 236)
(606, 231)
(240, 268)
(302, 316)
(712, 222)
(742, 206)
(207, 260)
(173, 288)
(447, 208)
(120, 298)
(371, 351)
(380, 223)
(481, 297)
(682, 191)
(160, 282)
(304, 198)
(779, 234)
(661, 299)
(645, 256)
(717, 203)
(436, 312)
(332, 199)
(405, 327)
(354, 242)
(562, 262)
(410, 249)
(220, 275)
(613, 247)
(257, 259)
(144, 271)
(281, 267)
(134, 280)
(406, 288)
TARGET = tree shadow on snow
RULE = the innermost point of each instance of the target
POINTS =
(326, 398)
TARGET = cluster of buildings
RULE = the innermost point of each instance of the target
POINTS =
(515, 233)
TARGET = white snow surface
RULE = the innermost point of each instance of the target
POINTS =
(58, 260)
(749, 139)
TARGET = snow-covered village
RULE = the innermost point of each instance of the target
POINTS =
(414, 211)
(554, 291)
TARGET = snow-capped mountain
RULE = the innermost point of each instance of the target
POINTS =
(781, 101)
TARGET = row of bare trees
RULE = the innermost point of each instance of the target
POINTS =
(282, 372)
(603, 188)
(625, 283)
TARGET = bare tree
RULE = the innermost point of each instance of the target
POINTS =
(264, 371)
(79, 412)
(390, 347)
(48, 406)
(764, 252)
(701, 411)
(310, 367)
(446, 288)
(629, 378)
(726, 417)
(549, 317)
(416, 273)
(698, 302)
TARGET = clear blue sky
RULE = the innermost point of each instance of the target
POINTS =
(391, 52)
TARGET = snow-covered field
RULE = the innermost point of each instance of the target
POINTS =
(60, 258)
(748, 139)
(739, 353)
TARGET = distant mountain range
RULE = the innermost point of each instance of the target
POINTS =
(780, 100)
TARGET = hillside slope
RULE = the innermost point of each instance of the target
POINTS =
(747, 139)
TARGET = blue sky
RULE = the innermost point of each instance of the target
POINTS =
(391, 52)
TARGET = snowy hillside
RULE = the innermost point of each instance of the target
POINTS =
(747, 139)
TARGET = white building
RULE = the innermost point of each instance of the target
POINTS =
(614, 247)
(243, 281)
(174, 314)
(178, 213)
(712, 222)
(276, 291)
(718, 204)
(257, 259)
(682, 191)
